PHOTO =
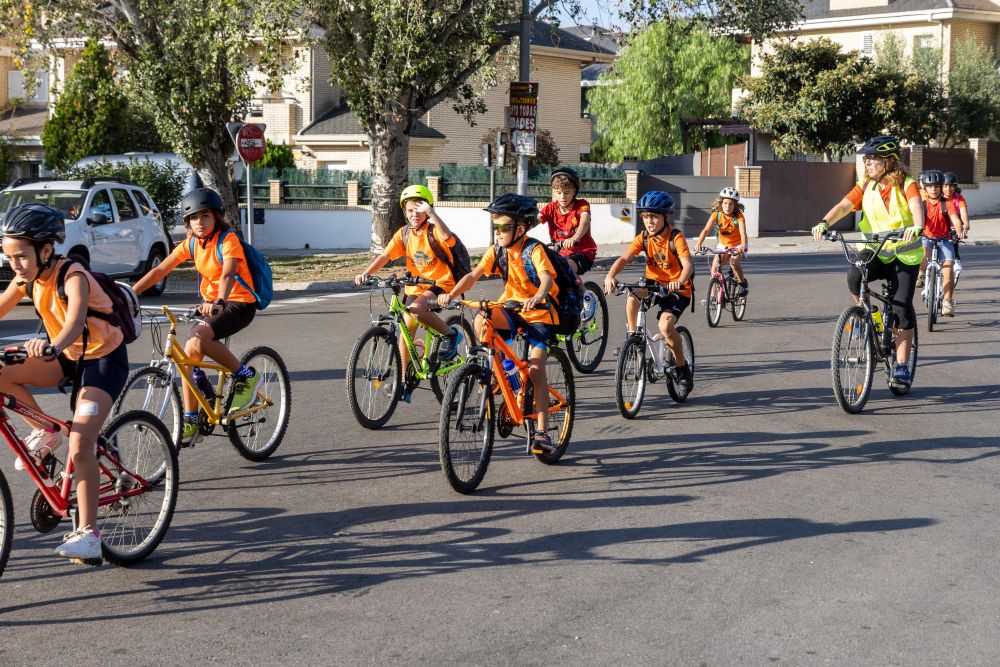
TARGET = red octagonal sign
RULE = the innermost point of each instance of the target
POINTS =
(250, 142)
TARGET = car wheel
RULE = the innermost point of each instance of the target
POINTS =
(156, 256)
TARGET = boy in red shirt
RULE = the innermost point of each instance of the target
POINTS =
(568, 219)
(940, 214)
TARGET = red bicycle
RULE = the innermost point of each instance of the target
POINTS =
(723, 291)
(138, 473)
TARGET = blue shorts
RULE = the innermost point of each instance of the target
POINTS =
(108, 373)
(537, 334)
(945, 246)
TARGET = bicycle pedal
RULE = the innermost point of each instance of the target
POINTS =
(91, 562)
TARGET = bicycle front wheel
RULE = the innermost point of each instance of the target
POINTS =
(715, 302)
(852, 360)
(133, 519)
(439, 380)
(152, 390)
(374, 377)
(630, 377)
(559, 375)
(676, 393)
(6, 522)
(586, 346)
(256, 435)
(912, 363)
(465, 430)
(931, 285)
(740, 307)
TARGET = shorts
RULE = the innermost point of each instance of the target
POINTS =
(536, 333)
(945, 246)
(582, 261)
(108, 373)
(673, 303)
(235, 317)
(433, 289)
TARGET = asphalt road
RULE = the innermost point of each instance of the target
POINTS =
(755, 524)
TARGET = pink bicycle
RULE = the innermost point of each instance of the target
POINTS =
(723, 291)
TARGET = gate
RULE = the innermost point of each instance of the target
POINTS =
(694, 196)
(794, 196)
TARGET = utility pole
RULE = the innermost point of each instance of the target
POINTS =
(524, 75)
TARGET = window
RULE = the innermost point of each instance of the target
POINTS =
(67, 201)
(144, 204)
(102, 204)
(126, 207)
(923, 42)
(337, 165)
(868, 45)
(15, 87)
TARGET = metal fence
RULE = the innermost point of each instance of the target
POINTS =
(479, 190)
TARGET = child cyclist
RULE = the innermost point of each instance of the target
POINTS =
(952, 191)
(727, 217)
(668, 262)
(29, 235)
(227, 306)
(417, 203)
(940, 217)
(568, 219)
(512, 216)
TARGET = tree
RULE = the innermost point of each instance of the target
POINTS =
(8, 158)
(396, 59)
(973, 90)
(670, 71)
(546, 151)
(276, 156)
(188, 59)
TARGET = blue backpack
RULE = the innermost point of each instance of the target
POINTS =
(260, 270)
(570, 299)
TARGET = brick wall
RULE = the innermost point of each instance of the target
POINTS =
(5, 67)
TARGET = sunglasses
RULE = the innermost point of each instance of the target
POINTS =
(503, 227)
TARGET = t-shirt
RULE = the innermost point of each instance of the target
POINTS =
(210, 269)
(936, 222)
(959, 201)
(518, 285)
(729, 228)
(103, 337)
(661, 265)
(856, 195)
(563, 226)
(420, 258)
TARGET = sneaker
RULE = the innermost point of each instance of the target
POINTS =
(407, 397)
(244, 390)
(901, 376)
(685, 378)
(743, 290)
(82, 544)
(589, 306)
(948, 308)
(920, 280)
(958, 267)
(542, 443)
(191, 434)
(40, 443)
(449, 344)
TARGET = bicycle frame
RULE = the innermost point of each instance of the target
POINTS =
(645, 303)
(421, 364)
(724, 256)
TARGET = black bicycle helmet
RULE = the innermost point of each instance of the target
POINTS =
(932, 177)
(655, 201)
(35, 222)
(884, 146)
(571, 174)
(519, 207)
(201, 199)
(951, 178)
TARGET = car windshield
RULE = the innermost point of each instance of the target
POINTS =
(70, 202)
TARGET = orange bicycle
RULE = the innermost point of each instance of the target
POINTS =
(468, 414)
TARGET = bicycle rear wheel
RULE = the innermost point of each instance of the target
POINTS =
(630, 376)
(676, 393)
(586, 346)
(259, 433)
(931, 285)
(136, 446)
(151, 389)
(715, 302)
(559, 375)
(852, 360)
(438, 381)
(465, 430)
(6, 522)
(374, 376)
(912, 363)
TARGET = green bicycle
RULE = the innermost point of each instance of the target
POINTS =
(375, 382)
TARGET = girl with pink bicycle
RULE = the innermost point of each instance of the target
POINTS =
(727, 218)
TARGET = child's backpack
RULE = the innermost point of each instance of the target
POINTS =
(674, 233)
(462, 265)
(570, 299)
(260, 270)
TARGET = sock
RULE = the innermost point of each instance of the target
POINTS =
(190, 416)
(244, 372)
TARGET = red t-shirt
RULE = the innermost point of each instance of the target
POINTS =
(936, 222)
(563, 226)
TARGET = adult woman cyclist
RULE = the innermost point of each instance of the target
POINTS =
(890, 200)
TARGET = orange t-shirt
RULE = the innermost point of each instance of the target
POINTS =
(210, 269)
(729, 228)
(518, 286)
(103, 337)
(421, 260)
(661, 265)
(856, 195)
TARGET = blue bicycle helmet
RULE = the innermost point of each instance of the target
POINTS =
(655, 201)
(519, 207)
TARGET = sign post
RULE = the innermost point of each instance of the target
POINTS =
(249, 140)
(523, 127)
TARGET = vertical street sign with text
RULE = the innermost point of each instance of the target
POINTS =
(523, 116)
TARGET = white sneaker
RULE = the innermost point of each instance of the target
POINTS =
(40, 443)
(82, 543)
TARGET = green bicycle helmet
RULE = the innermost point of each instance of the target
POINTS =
(416, 191)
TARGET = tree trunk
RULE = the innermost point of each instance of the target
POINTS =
(216, 173)
(390, 160)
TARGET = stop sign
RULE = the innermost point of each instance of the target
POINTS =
(250, 142)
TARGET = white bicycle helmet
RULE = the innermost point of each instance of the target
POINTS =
(730, 193)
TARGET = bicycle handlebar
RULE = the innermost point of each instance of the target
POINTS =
(726, 251)
(653, 286)
(511, 304)
(395, 282)
(16, 355)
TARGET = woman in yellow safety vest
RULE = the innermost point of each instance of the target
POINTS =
(889, 199)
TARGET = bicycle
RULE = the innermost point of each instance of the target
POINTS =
(586, 345)
(138, 481)
(865, 335)
(633, 370)
(255, 431)
(469, 416)
(723, 292)
(933, 291)
(374, 369)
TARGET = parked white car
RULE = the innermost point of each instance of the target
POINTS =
(112, 224)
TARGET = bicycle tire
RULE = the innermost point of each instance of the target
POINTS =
(465, 429)
(586, 353)
(930, 283)
(559, 375)
(439, 381)
(631, 369)
(387, 367)
(740, 307)
(143, 445)
(6, 522)
(715, 302)
(245, 433)
(852, 361)
(151, 389)
(687, 343)
(912, 363)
